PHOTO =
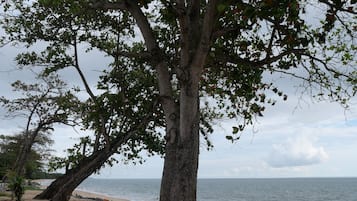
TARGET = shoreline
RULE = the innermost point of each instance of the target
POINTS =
(77, 194)
(89, 195)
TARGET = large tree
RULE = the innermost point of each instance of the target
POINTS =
(122, 110)
(119, 127)
(128, 132)
(219, 49)
(41, 105)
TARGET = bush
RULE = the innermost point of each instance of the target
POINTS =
(17, 186)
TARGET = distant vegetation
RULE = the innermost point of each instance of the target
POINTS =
(45, 175)
(34, 167)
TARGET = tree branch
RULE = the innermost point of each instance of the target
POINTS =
(136, 55)
(106, 5)
(259, 63)
(324, 64)
(270, 45)
(206, 34)
(91, 94)
(224, 31)
(337, 7)
(142, 123)
(165, 86)
(281, 55)
(34, 109)
(158, 59)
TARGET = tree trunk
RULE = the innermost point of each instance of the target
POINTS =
(179, 180)
(62, 188)
(21, 160)
(51, 190)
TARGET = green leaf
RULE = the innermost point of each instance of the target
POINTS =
(221, 7)
(235, 129)
(228, 137)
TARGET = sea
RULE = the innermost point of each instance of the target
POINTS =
(284, 189)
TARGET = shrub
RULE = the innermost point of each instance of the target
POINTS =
(17, 187)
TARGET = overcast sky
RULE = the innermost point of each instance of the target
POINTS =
(295, 138)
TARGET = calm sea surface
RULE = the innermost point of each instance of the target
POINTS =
(294, 189)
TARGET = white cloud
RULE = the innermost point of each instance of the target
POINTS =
(299, 151)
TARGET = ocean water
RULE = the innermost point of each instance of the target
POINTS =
(289, 189)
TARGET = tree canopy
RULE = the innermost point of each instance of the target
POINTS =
(41, 105)
(218, 49)
(244, 41)
(10, 146)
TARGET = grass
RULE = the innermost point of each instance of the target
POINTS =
(32, 188)
(5, 194)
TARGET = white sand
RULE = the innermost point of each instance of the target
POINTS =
(30, 194)
(75, 195)
(92, 195)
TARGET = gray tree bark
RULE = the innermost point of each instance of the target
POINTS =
(62, 188)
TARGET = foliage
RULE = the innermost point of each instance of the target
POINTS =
(46, 175)
(16, 185)
(249, 39)
(5, 194)
(42, 105)
(134, 123)
(9, 150)
(126, 129)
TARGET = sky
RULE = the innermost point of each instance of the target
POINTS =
(300, 137)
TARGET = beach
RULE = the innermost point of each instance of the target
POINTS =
(85, 195)
(228, 189)
(77, 195)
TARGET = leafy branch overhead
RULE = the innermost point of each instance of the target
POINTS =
(244, 41)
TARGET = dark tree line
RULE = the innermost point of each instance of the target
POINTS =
(10, 146)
